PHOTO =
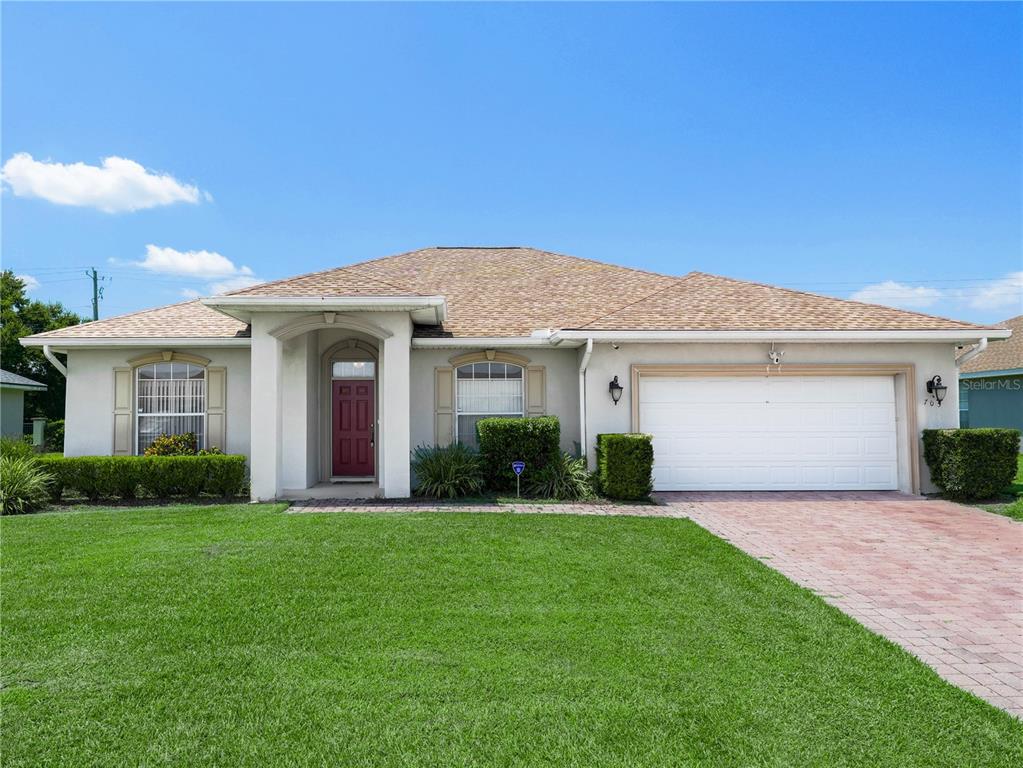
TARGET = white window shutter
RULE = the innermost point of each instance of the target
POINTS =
(122, 412)
(536, 390)
(216, 408)
(444, 406)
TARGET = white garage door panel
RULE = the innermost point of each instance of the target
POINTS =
(771, 433)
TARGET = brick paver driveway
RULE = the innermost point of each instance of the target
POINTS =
(943, 580)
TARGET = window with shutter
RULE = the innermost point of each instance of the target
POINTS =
(170, 399)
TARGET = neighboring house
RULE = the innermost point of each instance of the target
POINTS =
(991, 384)
(334, 376)
(12, 402)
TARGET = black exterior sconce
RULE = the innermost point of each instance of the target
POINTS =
(936, 389)
(615, 389)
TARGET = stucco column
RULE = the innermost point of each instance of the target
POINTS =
(265, 437)
(395, 476)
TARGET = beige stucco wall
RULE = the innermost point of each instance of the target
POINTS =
(562, 369)
(90, 396)
(606, 362)
(89, 428)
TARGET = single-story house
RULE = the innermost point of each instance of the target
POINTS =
(12, 402)
(991, 383)
(328, 380)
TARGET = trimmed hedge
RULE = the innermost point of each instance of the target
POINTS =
(535, 440)
(53, 436)
(971, 463)
(625, 463)
(128, 477)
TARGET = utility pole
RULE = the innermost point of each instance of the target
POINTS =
(97, 292)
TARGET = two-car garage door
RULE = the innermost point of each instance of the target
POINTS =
(771, 432)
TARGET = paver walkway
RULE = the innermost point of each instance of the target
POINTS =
(356, 505)
(944, 581)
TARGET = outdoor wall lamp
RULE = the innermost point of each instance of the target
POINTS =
(615, 389)
(937, 389)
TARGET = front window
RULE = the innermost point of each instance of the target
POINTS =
(485, 389)
(170, 399)
(353, 369)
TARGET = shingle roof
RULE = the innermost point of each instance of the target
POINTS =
(13, 379)
(188, 319)
(1002, 355)
(512, 291)
(707, 302)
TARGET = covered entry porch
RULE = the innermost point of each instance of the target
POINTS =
(333, 421)
(329, 405)
(330, 393)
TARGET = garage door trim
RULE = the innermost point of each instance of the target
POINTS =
(907, 372)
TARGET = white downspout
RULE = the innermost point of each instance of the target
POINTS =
(971, 353)
(48, 354)
(582, 398)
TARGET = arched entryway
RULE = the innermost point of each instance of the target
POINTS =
(348, 407)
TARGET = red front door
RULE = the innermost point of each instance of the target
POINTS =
(352, 432)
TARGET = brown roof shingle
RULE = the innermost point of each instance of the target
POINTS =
(699, 301)
(512, 291)
(1001, 355)
(188, 319)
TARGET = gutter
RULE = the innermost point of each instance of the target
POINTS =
(994, 374)
(48, 354)
(969, 354)
(111, 342)
(955, 335)
(241, 307)
(582, 398)
(475, 342)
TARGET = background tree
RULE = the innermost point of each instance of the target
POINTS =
(21, 316)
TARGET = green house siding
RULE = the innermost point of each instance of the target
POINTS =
(991, 402)
(12, 412)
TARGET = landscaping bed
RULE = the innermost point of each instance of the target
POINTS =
(236, 635)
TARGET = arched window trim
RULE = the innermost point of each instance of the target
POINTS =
(168, 356)
(489, 355)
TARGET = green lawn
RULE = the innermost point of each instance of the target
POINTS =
(238, 635)
(1011, 508)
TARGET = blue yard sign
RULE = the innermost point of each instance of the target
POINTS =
(517, 467)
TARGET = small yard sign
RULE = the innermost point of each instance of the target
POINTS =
(517, 467)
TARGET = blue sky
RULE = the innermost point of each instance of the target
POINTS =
(829, 147)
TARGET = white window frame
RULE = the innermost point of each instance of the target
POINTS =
(135, 406)
(510, 414)
(365, 377)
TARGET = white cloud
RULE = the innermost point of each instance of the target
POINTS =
(992, 297)
(204, 264)
(115, 186)
(894, 294)
(233, 284)
(30, 282)
(219, 272)
(1005, 293)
